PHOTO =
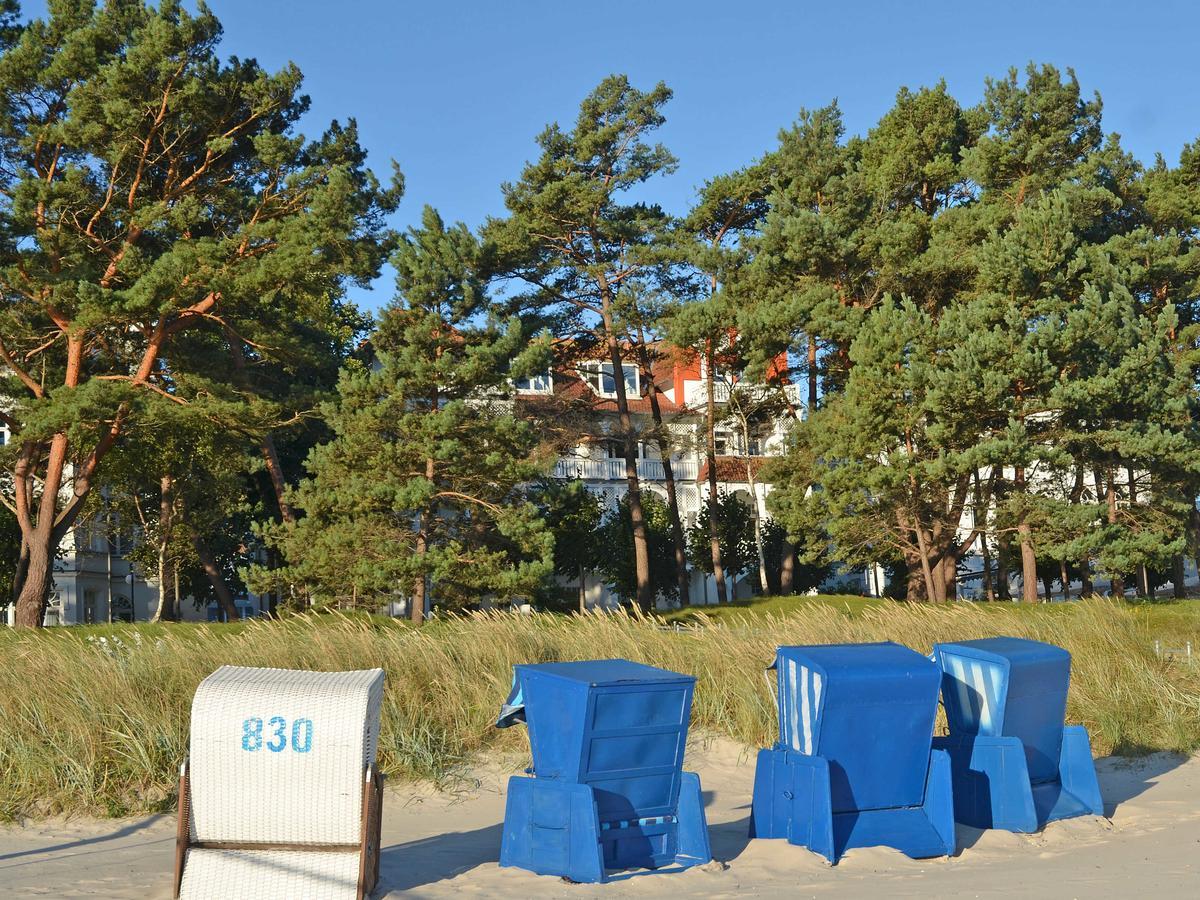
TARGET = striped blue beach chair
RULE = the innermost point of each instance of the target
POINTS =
(1015, 765)
(854, 766)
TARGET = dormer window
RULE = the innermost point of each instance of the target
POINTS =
(599, 377)
(542, 383)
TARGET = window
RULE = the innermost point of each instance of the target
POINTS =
(599, 377)
(726, 443)
(542, 383)
(616, 450)
(122, 608)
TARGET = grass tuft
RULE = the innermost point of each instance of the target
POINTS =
(94, 720)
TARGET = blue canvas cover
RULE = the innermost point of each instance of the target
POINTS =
(866, 708)
(616, 725)
(609, 791)
(1009, 687)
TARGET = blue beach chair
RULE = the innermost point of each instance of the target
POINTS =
(1016, 766)
(608, 790)
(853, 766)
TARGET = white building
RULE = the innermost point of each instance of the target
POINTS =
(743, 442)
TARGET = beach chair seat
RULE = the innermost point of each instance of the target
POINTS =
(1016, 766)
(854, 764)
(279, 797)
(608, 789)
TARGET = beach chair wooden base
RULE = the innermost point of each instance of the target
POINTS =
(229, 870)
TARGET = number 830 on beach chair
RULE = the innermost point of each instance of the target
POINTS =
(280, 797)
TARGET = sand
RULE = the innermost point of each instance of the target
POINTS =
(446, 845)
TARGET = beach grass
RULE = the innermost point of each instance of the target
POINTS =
(94, 720)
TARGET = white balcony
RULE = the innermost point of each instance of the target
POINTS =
(614, 469)
(695, 393)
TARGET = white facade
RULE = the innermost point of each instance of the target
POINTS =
(599, 460)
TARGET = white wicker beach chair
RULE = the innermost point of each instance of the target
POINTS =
(280, 797)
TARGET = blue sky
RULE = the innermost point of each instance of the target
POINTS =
(456, 90)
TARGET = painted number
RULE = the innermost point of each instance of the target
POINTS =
(277, 742)
(252, 734)
(279, 723)
(302, 735)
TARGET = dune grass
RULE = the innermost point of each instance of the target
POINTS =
(94, 720)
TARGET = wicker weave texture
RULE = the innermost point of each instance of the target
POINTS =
(277, 756)
(269, 875)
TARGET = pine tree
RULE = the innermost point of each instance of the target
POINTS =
(711, 243)
(149, 190)
(421, 492)
(572, 240)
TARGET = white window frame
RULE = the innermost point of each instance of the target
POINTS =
(541, 383)
(594, 372)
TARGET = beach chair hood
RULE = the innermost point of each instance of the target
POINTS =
(869, 710)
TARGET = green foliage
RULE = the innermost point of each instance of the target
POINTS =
(159, 215)
(735, 533)
(616, 564)
(809, 570)
(573, 515)
(1001, 301)
(423, 481)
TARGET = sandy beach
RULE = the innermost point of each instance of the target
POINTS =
(446, 844)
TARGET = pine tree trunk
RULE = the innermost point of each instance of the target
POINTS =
(812, 374)
(1118, 579)
(416, 603)
(39, 538)
(209, 564)
(166, 510)
(278, 482)
(1003, 558)
(1086, 589)
(916, 589)
(944, 580)
(929, 591)
(637, 518)
(758, 538)
(582, 591)
(1065, 577)
(710, 452)
(1029, 577)
(787, 569)
(1178, 577)
(664, 452)
(35, 585)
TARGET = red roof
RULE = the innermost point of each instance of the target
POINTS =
(733, 468)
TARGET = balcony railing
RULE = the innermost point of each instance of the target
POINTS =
(614, 469)
(695, 393)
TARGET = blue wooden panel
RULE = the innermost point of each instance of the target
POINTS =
(1009, 687)
(866, 708)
